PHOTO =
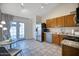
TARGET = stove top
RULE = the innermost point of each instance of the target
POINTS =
(72, 38)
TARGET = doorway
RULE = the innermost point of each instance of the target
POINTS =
(17, 30)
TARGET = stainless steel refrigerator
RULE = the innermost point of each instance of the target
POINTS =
(39, 32)
(40, 29)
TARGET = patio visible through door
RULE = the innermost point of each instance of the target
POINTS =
(17, 31)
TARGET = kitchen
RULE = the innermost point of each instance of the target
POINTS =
(64, 31)
(54, 32)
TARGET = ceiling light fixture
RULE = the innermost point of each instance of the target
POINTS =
(3, 22)
(23, 10)
(42, 6)
(22, 4)
(4, 28)
(1, 25)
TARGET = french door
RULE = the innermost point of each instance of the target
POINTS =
(17, 30)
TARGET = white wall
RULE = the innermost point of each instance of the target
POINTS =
(34, 27)
(38, 19)
(61, 10)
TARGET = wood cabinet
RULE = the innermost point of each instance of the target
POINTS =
(57, 39)
(69, 20)
(44, 34)
(64, 21)
(61, 38)
(48, 23)
(54, 22)
(69, 51)
(51, 23)
(60, 21)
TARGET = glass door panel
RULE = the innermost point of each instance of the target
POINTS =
(17, 30)
(13, 31)
(21, 30)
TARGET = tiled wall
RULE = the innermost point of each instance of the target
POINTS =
(65, 30)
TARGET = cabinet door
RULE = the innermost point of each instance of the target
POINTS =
(56, 39)
(69, 51)
(48, 23)
(69, 20)
(60, 39)
(60, 21)
(51, 23)
(54, 23)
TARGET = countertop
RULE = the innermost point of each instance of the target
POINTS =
(71, 35)
(70, 43)
(64, 34)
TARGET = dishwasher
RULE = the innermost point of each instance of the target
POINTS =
(49, 37)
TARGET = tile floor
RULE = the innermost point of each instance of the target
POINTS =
(36, 48)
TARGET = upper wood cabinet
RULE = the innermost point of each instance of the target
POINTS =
(64, 21)
(69, 20)
(48, 23)
(54, 23)
(51, 23)
(60, 21)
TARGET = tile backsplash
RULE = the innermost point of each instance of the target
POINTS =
(65, 30)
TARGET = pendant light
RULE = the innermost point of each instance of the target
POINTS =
(4, 28)
(3, 22)
(1, 25)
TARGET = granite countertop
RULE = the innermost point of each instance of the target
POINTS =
(70, 43)
(71, 35)
(64, 34)
(67, 34)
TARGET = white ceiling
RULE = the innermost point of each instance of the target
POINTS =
(32, 9)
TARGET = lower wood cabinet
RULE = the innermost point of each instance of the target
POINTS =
(57, 39)
(69, 51)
